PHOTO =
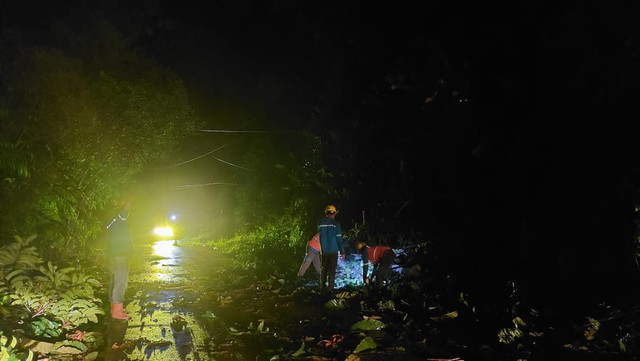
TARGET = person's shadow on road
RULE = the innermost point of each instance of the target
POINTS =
(115, 336)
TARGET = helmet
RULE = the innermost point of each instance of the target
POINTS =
(330, 210)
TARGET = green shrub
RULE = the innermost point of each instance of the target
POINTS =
(45, 299)
(272, 243)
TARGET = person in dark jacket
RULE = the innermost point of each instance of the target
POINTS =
(381, 257)
(331, 244)
(119, 251)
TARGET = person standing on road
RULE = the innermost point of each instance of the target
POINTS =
(119, 251)
(331, 244)
(312, 256)
(381, 257)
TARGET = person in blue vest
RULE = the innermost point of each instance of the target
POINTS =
(119, 251)
(331, 245)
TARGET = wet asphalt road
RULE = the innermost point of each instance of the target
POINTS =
(164, 281)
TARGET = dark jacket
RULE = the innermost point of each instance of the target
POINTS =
(120, 242)
(330, 233)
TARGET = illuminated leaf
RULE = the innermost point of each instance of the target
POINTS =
(509, 335)
(368, 325)
(622, 346)
(449, 315)
(336, 304)
(77, 345)
(589, 334)
(366, 344)
(300, 351)
(387, 305)
(518, 322)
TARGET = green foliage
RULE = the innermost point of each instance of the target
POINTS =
(289, 184)
(336, 304)
(46, 298)
(367, 343)
(74, 129)
(251, 329)
(259, 246)
(368, 325)
(16, 261)
(45, 328)
(301, 351)
(8, 351)
(14, 162)
(511, 335)
(279, 235)
(20, 254)
(70, 343)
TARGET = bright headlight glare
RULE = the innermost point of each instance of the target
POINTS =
(163, 231)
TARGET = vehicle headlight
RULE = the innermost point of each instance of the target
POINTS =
(163, 231)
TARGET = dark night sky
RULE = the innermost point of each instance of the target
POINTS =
(549, 156)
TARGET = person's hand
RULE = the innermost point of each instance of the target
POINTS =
(367, 280)
(344, 256)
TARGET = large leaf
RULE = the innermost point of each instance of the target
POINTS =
(300, 351)
(367, 343)
(69, 346)
(368, 325)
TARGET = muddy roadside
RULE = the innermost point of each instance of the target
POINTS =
(189, 303)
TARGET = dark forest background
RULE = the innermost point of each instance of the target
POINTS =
(506, 136)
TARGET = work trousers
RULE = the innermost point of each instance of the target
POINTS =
(383, 267)
(119, 267)
(328, 276)
(312, 256)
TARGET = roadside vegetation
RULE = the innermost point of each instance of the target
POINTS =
(86, 118)
(75, 132)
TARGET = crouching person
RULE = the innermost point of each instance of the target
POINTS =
(381, 257)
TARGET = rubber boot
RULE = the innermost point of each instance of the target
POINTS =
(118, 313)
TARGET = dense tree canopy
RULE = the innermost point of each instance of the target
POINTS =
(77, 130)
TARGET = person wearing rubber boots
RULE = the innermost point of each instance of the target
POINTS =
(331, 244)
(119, 251)
(382, 257)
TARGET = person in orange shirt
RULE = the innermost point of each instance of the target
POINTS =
(312, 256)
(381, 256)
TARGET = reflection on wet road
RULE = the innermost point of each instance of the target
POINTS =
(167, 250)
(162, 284)
(170, 256)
